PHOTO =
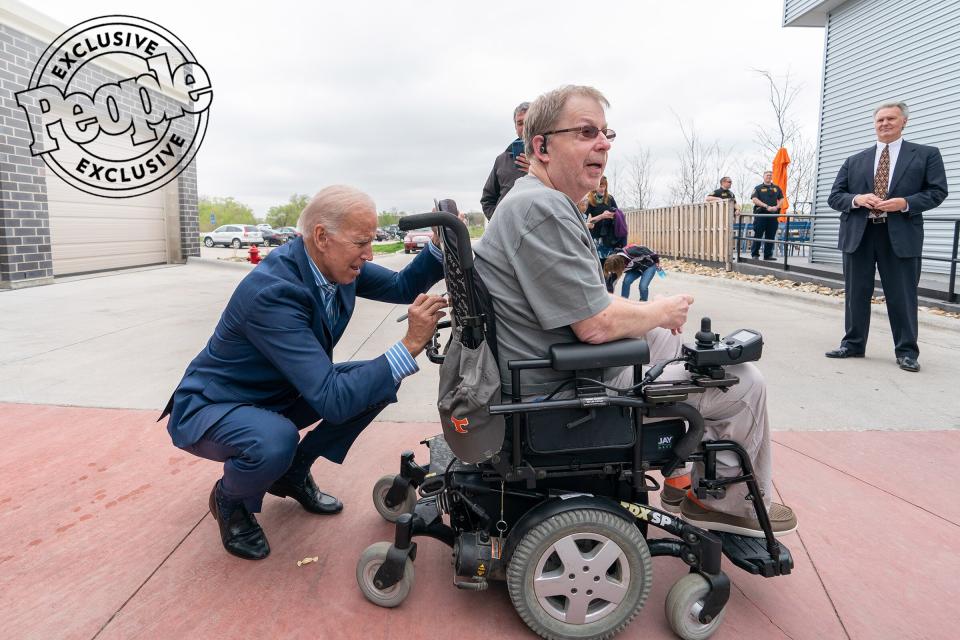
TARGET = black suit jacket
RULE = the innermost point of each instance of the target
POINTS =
(918, 176)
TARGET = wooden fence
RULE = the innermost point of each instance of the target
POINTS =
(700, 231)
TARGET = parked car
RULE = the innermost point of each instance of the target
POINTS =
(394, 231)
(233, 235)
(264, 227)
(274, 237)
(417, 239)
(290, 230)
(381, 234)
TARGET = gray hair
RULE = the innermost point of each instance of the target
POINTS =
(547, 109)
(521, 108)
(330, 207)
(725, 178)
(890, 105)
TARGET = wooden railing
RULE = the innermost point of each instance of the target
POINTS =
(700, 231)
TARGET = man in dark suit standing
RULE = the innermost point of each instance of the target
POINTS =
(267, 371)
(881, 194)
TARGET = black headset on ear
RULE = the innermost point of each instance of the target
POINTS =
(543, 145)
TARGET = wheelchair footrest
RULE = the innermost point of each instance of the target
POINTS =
(751, 554)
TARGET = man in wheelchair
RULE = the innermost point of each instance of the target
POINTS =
(543, 482)
(540, 268)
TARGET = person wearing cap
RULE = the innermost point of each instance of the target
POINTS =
(881, 194)
(507, 167)
(267, 372)
(541, 269)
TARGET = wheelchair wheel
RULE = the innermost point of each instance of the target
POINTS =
(583, 573)
(683, 605)
(370, 561)
(390, 514)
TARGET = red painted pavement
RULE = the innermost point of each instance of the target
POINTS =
(105, 533)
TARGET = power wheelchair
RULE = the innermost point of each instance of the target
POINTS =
(560, 510)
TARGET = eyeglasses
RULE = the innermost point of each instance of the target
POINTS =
(588, 131)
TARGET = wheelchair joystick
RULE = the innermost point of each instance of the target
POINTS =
(705, 337)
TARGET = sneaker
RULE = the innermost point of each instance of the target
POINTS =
(782, 520)
(672, 497)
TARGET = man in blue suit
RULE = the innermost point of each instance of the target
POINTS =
(881, 194)
(267, 371)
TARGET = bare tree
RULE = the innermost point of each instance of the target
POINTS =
(701, 164)
(786, 133)
(801, 171)
(781, 97)
(638, 179)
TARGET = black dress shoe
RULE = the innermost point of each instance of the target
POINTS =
(239, 531)
(843, 352)
(304, 490)
(908, 364)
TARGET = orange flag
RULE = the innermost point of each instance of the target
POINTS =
(780, 163)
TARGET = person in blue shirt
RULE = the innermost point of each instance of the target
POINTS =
(267, 372)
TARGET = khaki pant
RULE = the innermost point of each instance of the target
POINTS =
(739, 414)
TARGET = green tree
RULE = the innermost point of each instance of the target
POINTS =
(225, 211)
(386, 218)
(286, 215)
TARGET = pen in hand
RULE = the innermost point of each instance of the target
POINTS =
(404, 316)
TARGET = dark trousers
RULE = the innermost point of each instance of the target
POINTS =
(764, 228)
(899, 277)
(257, 446)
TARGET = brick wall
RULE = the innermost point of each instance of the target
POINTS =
(25, 246)
(24, 223)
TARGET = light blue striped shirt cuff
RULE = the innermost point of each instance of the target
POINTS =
(401, 362)
(435, 250)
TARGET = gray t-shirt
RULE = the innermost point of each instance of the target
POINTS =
(540, 265)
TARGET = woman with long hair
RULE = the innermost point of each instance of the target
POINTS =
(600, 213)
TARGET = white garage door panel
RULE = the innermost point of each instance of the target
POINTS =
(91, 233)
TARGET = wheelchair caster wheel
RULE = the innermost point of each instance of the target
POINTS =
(390, 514)
(370, 561)
(683, 605)
(583, 573)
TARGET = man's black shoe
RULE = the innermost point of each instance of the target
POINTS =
(304, 490)
(843, 352)
(908, 364)
(239, 531)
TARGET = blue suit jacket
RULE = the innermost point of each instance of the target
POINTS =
(918, 176)
(274, 342)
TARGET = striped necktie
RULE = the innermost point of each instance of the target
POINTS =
(330, 303)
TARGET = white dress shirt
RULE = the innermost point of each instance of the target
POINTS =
(894, 154)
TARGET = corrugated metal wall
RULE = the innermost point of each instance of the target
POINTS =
(793, 8)
(880, 50)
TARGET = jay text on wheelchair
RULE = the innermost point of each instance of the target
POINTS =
(551, 495)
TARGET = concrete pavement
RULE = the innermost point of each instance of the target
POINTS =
(106, 533)
(124, 340)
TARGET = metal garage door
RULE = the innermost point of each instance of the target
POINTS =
(92, 233)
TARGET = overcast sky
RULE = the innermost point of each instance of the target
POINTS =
(413, 100)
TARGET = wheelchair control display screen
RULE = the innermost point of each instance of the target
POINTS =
(743, 345)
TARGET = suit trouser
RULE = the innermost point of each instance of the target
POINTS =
(899, 277)
(764, 228)
(258, 446)
(739, 414)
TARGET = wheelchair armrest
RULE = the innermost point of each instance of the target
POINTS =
(575, 356)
